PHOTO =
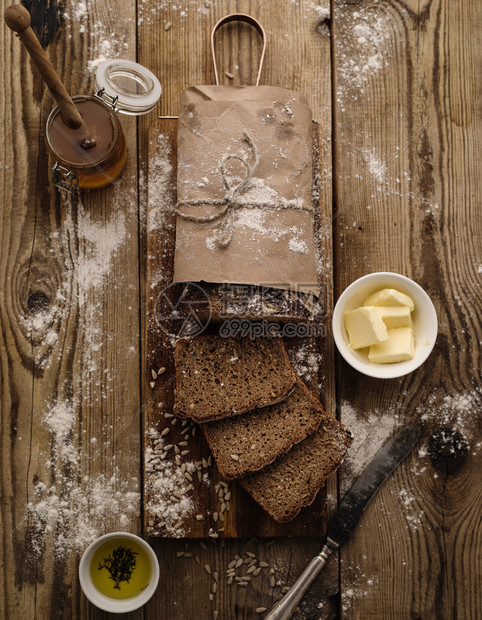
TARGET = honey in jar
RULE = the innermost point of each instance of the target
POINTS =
(95, 154)
(96, 151)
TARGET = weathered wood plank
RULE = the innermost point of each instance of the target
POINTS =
(298, 57)
(405, 160)
(70, 330)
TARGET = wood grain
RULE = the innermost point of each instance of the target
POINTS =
(406, 107)
(425, 225)
(66, 340)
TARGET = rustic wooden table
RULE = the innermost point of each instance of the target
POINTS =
(394, 87)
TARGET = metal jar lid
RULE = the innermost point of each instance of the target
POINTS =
(128, 86)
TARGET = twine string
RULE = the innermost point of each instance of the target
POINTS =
(232, 198)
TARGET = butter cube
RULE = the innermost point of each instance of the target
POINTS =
(365, 327)
(399, 347)
(395, 316)
(389, 297)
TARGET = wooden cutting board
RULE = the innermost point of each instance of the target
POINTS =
(177, 458)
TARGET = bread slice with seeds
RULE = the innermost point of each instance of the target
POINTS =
(293, 481)
(220, 377)
(248, 442)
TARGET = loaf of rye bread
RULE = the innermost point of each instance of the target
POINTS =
(248, 442)
(225, 302)
(220, 377)
(293, 481)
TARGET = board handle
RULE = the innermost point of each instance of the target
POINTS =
(17, 19)
(239, 17)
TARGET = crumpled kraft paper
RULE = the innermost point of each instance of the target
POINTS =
(251, 145)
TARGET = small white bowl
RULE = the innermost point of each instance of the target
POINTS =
(108, 603)
(424, 323)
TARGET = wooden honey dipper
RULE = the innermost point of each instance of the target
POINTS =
(17, 19)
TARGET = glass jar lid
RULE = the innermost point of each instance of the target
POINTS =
(128, 86)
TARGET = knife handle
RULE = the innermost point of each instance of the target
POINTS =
(284, 607)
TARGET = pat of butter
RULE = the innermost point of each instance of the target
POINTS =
(365, 327)
(389, 297)
(395, 316)
(399, 347)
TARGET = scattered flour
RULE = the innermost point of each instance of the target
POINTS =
(103, 43)
(369, 435)
(76, 507)
(362, 49)
(161, 199)
(376, 167)
(306, 360)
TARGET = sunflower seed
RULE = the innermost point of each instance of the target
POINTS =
(264, 564)
(207, 568)
(243, 584)
(199, 517)
(165, 431)
(235, 457)
(152, 384)
(153, 374)
(230, 76)
(260, 610)
(256, 572)
(168, 26)
(161, 371)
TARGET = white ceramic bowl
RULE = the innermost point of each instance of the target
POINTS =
(107, 603)
(424, 323)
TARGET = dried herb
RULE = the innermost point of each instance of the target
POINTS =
(120, 565)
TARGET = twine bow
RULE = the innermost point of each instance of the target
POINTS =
(233, 198)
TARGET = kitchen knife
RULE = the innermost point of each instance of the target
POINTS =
(343, 522)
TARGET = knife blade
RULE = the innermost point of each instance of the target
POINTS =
(344, 521)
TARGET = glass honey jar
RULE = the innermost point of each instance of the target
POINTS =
(94, 155)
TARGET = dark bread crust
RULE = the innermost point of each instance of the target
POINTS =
(293, 481)
(257, 438)
(224, 302)
(220, 377)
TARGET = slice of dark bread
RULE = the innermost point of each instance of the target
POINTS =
(246, 443)
(292, 481)
(219, 377)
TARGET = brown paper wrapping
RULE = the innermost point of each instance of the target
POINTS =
(269, 245)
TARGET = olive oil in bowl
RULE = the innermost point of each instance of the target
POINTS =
(119, 572)
(120, 568)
